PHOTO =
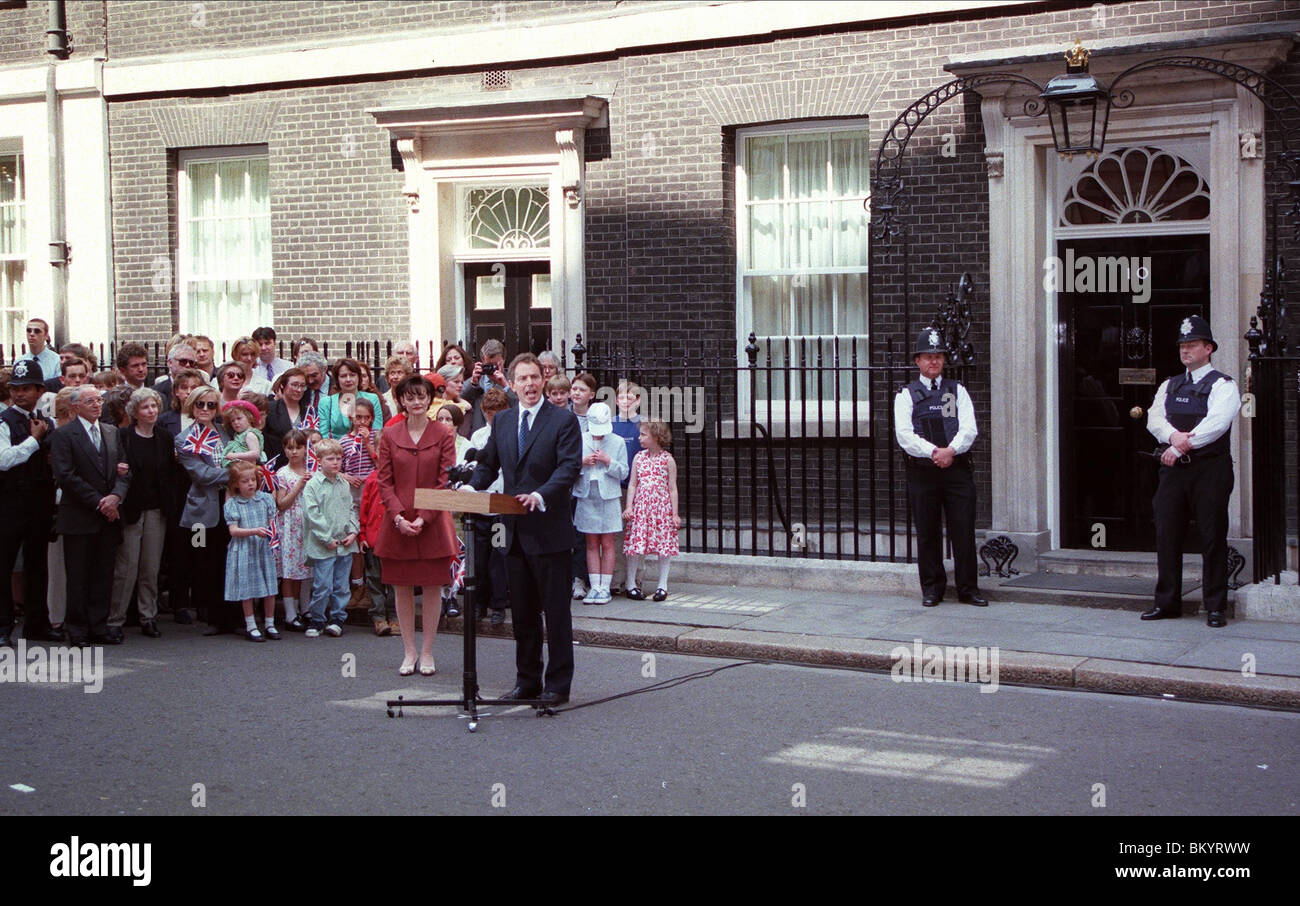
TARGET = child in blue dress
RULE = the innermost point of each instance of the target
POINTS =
(598, 514)
(250, 561)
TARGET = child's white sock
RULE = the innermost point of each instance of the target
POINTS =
(269, 623)
(664, 563)
(634, 569)
(358, 581)
(290, 609)
(250, 623)
(603, 581)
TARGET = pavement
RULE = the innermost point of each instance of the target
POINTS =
(1048, 645)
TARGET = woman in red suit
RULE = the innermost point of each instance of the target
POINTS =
(415, 547)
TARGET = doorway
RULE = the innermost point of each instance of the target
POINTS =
(510, 302)
(1119, 343)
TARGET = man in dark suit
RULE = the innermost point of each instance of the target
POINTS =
(85, 457)
(537, 448)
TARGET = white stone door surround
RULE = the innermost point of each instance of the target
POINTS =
(511, 137)
(1024, 327)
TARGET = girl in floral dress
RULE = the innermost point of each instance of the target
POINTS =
(651, 511)
(291, 562)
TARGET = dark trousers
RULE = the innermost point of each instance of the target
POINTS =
(32, 537)
(1201, 490)
(490, 571)
(540, 583)
(208, 578)
(88, 561)
(937, 493)
(579, 551)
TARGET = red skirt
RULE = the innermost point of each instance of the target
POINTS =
(427, 573)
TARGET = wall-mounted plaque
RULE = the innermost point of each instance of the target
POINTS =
(1137, 376)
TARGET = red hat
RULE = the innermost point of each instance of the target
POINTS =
(253, 415)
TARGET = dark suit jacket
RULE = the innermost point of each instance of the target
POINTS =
(164, 443)
(85, 476)
(164, 388)
(549, 464)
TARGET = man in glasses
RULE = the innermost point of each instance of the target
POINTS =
(85, 455)
(38, 349)
(180, 356)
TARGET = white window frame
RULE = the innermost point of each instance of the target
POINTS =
(16, 313)
(770, 413)
(184, 276)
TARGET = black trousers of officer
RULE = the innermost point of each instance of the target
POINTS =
(31, 535)
(1200, 489)
(936, 493)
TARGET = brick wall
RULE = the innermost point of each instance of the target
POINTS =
(22, 31)
(660, 231)
(153, 27)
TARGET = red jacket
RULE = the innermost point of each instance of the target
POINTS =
(372, 509)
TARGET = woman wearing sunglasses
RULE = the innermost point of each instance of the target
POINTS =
(197, 449)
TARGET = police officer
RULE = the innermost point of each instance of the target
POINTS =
(27, 489)
(934, 422)
(1193, 413)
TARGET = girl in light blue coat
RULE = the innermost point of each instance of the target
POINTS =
(598, 513)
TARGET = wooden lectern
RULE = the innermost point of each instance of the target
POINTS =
(468, 504)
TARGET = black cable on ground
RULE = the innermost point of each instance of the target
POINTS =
(659, 686)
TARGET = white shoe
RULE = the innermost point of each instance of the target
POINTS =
(334, 629)
(312, 633)
(592, 596)
(579, 590)
(602, 597)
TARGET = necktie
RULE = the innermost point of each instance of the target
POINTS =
(523, 432)
(934, 385)
(270, 372)
(94, 436)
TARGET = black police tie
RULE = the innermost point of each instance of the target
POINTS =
(523, 432)
(934, 385)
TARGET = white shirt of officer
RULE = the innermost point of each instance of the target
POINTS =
(915, 445)
(11, 454)
(1221, 409)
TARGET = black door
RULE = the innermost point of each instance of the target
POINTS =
(1115, 351)
(510, 303)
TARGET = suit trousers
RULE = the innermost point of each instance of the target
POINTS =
(937, 493)
(138, 558)
(32, 537)
(541, 584)
(88, 565)
(1201, 490)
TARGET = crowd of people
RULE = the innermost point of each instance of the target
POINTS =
(264, 494)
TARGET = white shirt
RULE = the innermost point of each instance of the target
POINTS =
(51, 365)
(1221, 409)
(90, 433)
(278, 367)
(915, 445)
(532, 423)
(478, 440)
(11, 455)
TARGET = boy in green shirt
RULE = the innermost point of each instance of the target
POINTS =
(329, 539)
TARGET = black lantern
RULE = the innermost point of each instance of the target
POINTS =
(1077, 107)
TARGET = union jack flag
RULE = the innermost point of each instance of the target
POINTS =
(201, 441)
(310, 421)
(275, 536)
(266, 479)
(457, 571)
(311, 460)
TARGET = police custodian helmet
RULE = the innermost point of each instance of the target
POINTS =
(1196, 328)
(26, 371)
(930, 340)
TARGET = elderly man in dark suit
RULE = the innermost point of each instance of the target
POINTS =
(537, 449)
(85, 458)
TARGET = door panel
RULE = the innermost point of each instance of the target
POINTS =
(1116, 350)
(510, 303)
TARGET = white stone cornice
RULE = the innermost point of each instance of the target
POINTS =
(570, 166)
(498, 113)
(411, 153)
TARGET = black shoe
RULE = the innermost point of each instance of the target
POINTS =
(49, 635)
(453, 610)
(635, 594)
(498, 617)
(183, 617)
(1216, 619)
(931, 600)
(974, 598)
(115, 636)
(297, 624)
(1155, 613)
(661, 594)
(519, 693)
(551, 699)
(94, 639)
(150, 628)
